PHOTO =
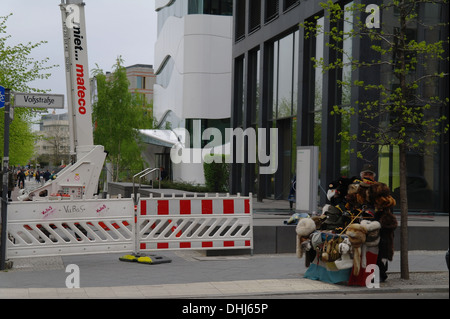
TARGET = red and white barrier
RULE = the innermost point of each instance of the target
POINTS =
(195, 223)
(73, 227)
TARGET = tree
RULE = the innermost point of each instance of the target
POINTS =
(408, 112)
(17, 70)
(117, 116)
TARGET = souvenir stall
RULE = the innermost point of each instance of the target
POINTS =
(340, 244)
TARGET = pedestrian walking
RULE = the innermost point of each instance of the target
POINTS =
(21, 179)
(46, 175)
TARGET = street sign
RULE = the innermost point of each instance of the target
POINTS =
(2, 97)
(32, 100)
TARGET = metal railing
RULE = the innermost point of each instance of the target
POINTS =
(144, 173)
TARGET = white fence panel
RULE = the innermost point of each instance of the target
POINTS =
(70, 227)
(196, 223)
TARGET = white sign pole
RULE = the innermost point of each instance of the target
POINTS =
(308, 178)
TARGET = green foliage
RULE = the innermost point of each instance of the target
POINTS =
(117, 116)
(216, 174)
(17, 70)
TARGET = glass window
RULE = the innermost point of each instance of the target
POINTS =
(195, 7)
(239, 20)
(254, 15)
(290, 3)
(285, 76)
(318, 85)
(254, 98)
(271, 9)
(163, 78)
(140, 82)
(214, 7)
(218, 7)
(240, 87)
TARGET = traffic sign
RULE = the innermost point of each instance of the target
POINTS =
(35, 100)
(2, 96)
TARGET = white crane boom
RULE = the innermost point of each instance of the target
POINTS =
(81, 178)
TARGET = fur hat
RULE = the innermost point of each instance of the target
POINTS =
(357, 236)
(345, 261)
(380, 196)
(305, 227)
(373, 232)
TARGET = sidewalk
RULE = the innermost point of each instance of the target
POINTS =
(191, 275)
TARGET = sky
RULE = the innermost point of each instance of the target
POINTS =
(114, 27)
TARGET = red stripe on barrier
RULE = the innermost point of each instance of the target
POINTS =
(103, 225)
(228, 206)
(247, 243)
(185, 245)
(185, 207)
(207, 207)
(143, 207)
(247, 206)
(163, 207)
(143, 246)
(206, 244)
(162, 246)
(228, 243)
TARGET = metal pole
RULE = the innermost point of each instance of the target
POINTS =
(5, 182)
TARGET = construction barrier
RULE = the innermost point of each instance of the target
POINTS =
(70, 227)
(196, 223)
(73, 227)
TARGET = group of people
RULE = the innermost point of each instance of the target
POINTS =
(18, 176)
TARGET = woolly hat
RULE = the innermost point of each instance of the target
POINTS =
(305, 227)
(373, 232)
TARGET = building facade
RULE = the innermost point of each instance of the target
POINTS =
(53, 147)
(193, 69)
(142, 79)
(276, 85)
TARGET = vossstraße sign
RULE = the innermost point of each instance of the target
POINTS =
(35, 100)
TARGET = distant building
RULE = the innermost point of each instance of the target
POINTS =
(142, 79)
(54, 145)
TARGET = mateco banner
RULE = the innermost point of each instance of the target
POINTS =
(77, 72)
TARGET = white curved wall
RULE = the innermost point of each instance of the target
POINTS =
(200, 84)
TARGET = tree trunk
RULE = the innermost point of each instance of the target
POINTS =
(404, 266)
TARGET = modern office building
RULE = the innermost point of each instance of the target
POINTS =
(275, 85)
(193, 69)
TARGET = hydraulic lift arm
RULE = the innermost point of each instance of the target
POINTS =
(79, 179)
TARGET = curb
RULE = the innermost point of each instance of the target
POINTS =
(343, 291)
